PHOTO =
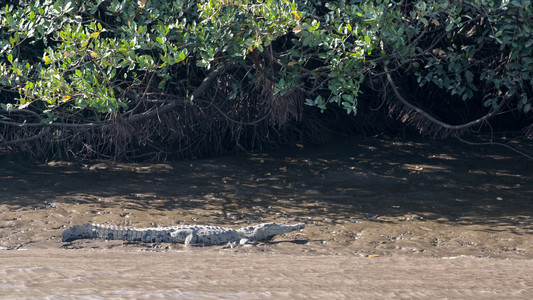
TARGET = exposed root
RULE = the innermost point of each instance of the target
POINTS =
(163, 126)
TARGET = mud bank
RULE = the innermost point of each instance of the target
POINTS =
(366, 202)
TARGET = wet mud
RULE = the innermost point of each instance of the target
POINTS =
(361, 198)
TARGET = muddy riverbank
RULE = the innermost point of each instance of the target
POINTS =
(361, 198)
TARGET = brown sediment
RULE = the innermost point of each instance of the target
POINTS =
(367, 198)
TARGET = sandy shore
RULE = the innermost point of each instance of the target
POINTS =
(83, 274)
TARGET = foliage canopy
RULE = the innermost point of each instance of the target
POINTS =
(110, 78)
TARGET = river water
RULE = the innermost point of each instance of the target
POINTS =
(386, 218)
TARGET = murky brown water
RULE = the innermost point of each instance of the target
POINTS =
(383, 217)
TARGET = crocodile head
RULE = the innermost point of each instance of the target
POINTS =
(268, 230)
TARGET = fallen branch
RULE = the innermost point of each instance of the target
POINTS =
(491, 143)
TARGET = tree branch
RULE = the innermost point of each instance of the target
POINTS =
(198, 92)
(430, 117)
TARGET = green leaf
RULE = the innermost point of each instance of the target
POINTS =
(449, 27)
(469, 76)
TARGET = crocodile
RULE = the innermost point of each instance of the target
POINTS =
(187, 234)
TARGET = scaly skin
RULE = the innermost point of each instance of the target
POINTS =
(188, 234)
